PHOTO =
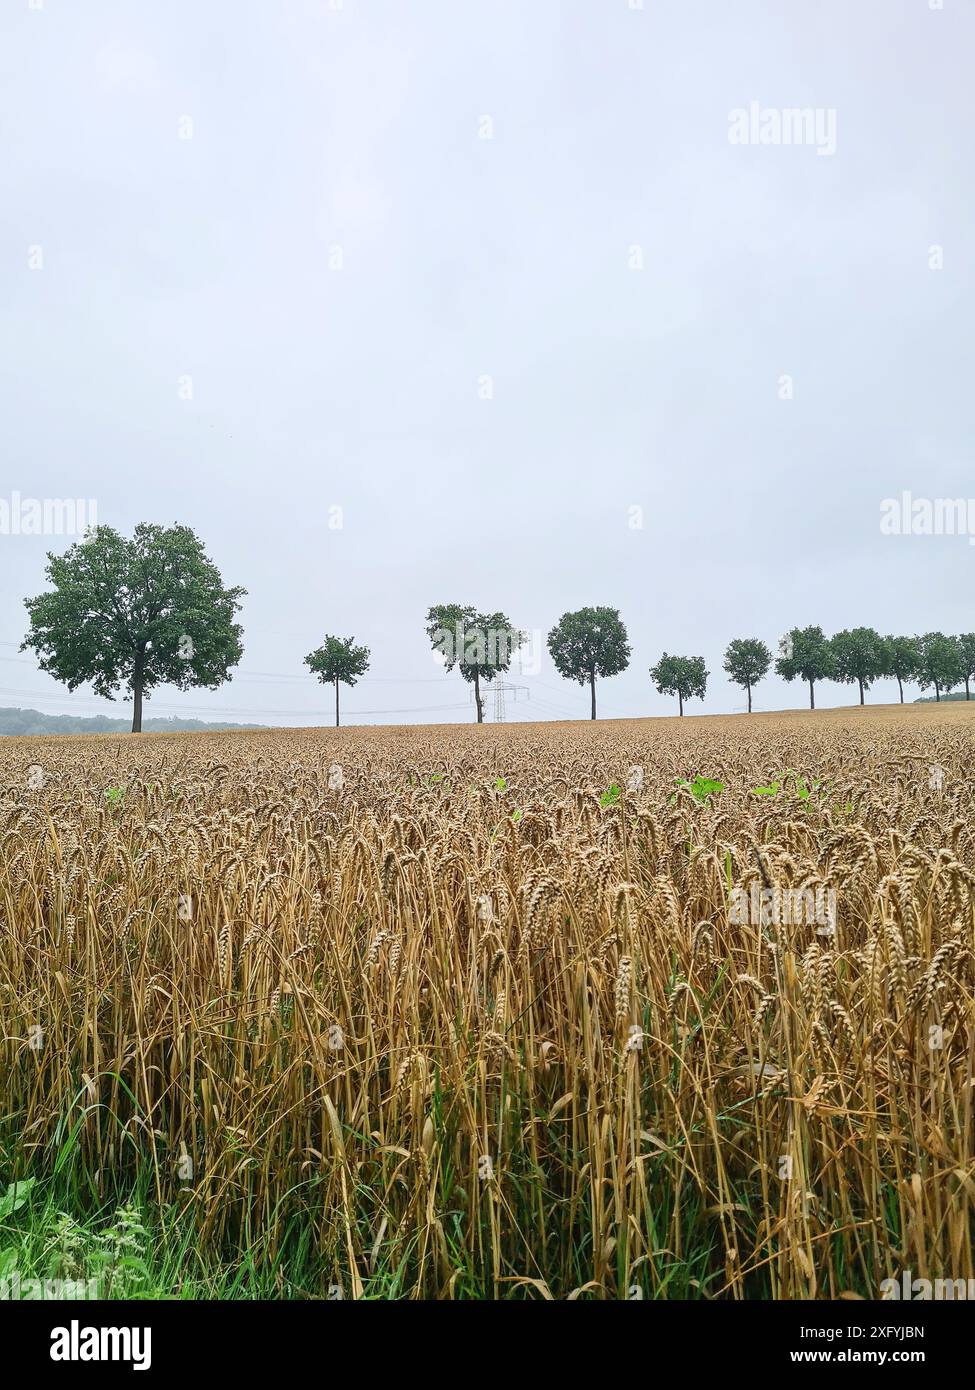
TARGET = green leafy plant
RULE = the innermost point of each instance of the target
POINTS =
(610, 796)
(801, 787)
(15, 1197)
(701, 787)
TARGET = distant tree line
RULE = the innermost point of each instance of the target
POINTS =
(31, 722)
(862, 656)
(593, 642)
(154, 610)
(856, 656)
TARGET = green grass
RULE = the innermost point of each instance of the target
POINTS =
(133, 1248)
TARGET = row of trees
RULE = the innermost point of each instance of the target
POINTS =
(860, 656)
(857, 656)
(154, 610)
(593, 643)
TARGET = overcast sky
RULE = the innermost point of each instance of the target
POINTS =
(259, 261)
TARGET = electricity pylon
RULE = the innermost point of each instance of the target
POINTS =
(502, 688)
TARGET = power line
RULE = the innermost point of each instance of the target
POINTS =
(90, 700)
(246, 675)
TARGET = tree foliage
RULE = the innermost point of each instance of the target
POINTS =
(137, 613)
(941, 663)
(683, 676)
(806, 653)
(480, 644)
(966, 651)
(903, 660)
(589, 643)
(859, 654)
(338, 659)
(747, 661)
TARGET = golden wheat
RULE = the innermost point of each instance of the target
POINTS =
(476, 1032)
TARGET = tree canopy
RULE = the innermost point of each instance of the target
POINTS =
(137, 613)
(859, 654)
(941, 663)
(903, 659)
(966, 651)
(588, 643)
(747, 661)
(806, 653)
(480, 644)
(338, 659)
(683, 676)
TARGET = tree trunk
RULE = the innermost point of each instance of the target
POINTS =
(900, 688)
(592, 686)
(477, 698)
(812, 695)
(680, 704)
(860, 679)
(137, 682)
(336, 702)
(937, 692)
(749, 689)
(967, 695)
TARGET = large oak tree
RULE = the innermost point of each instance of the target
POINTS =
(136, 613)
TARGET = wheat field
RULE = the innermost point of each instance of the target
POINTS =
(476, 1012)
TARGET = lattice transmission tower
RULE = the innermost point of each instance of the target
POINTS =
(503, 688)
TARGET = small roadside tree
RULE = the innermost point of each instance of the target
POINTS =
(481, 644)
(589, 643)
(966, 650)
(941, 663)
(903, 659)
(805, 653)
(338, 659)
(859, 654)
(683, 676)
(747, 661)
(137, 613)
